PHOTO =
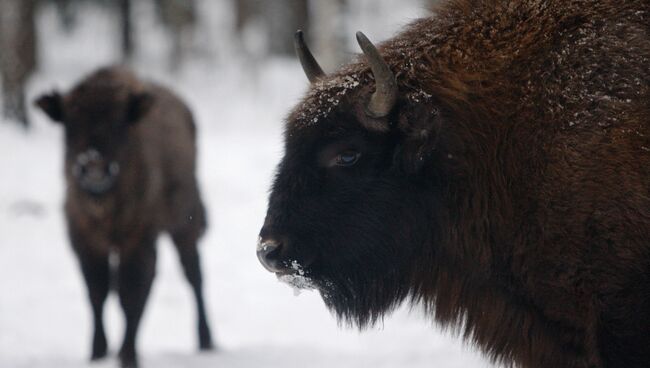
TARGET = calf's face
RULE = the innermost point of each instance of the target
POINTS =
(346, 202)
(96, 135)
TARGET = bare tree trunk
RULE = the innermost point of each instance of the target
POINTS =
(245, 11)
(126, 29)
(179, 17)
(328, 32)
(251, 26)
(284, 18)
(251, 34)
(66, 14)
(17, 55)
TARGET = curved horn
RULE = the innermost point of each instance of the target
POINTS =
(385, 95)
(307, 60)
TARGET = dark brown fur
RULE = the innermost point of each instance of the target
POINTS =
(150, 133)
(531, 122)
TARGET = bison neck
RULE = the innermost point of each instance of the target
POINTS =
(474, 280)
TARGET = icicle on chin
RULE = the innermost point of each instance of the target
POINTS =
(298, 281)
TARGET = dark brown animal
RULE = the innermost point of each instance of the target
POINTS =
(492, 163)
(130, 157)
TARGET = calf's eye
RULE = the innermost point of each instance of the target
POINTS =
(347, 158)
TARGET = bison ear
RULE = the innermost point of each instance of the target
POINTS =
(138, 106)
(418, 128)
(52, 105)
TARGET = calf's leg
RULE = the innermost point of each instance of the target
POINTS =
(186, 244)
(96, 272)
(136, 273)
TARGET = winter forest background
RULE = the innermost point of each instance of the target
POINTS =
(232, 61)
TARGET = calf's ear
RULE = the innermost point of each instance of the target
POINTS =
(52, 105)
(139, 105)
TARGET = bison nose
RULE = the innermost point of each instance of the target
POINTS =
(268, 252)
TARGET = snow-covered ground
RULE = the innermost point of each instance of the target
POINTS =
(45, 319)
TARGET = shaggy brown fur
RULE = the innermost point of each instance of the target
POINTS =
(522, 137)
(148, 133)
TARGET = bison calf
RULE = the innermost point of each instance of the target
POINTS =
(492, 163)
(130, 157)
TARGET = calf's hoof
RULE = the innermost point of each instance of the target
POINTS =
(128, 360)
(206, 346)
(205, 339)
(97, 355)
(100, 350)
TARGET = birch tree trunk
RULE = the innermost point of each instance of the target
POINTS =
(126, 28)
(284, 18)
(17, 55)
(328, 32)
(179, 18)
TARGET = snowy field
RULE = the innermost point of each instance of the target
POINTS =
(45, 319)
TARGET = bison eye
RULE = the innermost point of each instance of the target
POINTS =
(347, 158)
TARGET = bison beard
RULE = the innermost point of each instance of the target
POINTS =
(371, 275)
(491, 163)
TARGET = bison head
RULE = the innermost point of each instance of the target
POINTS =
(354, 201)
(97, 116)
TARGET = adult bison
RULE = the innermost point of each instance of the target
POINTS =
(130, 172)
(491, 163)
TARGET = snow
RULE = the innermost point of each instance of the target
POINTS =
(298, 281)
(45, 319)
